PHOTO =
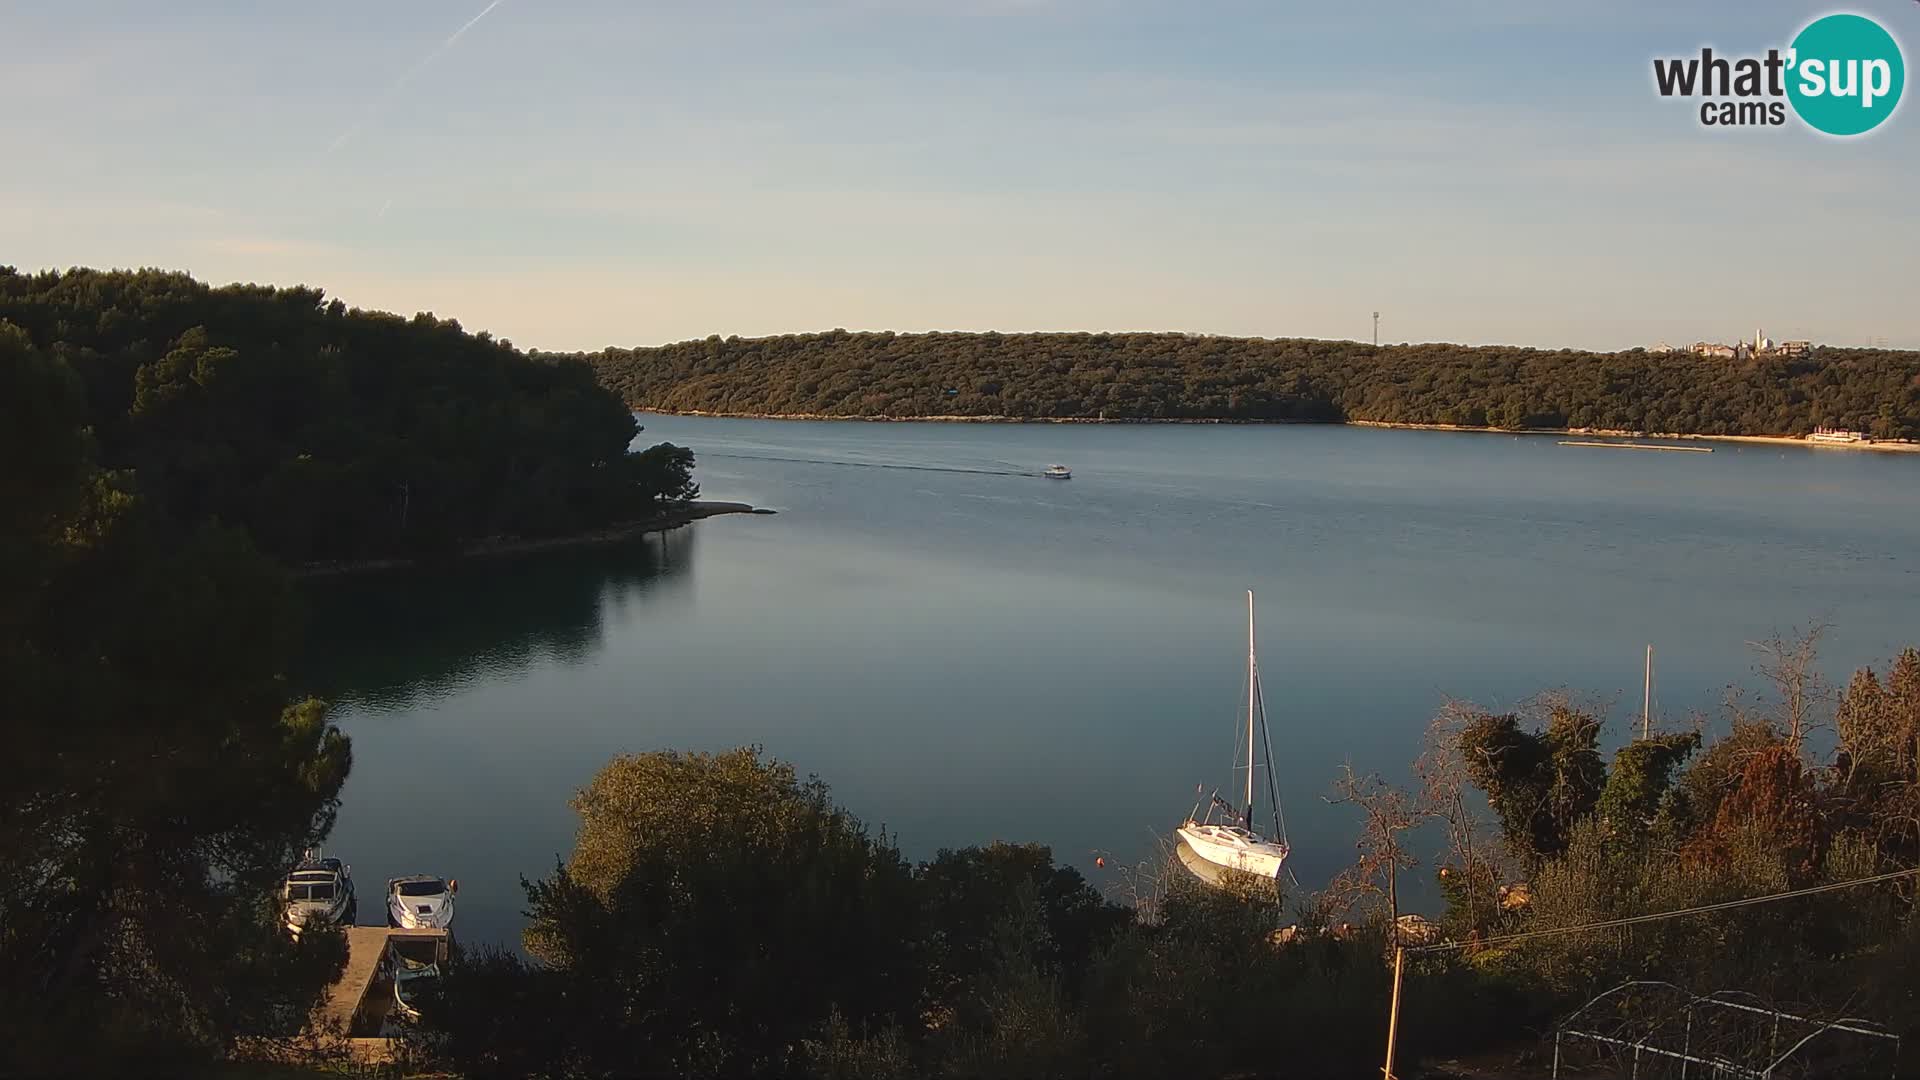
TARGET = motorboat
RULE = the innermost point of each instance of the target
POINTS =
(420, 901)
(318, 892)
(413, 963)
(1057, 472)
(1230, 841)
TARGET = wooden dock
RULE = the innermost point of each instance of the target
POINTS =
(1638, 446)
(350, 1008)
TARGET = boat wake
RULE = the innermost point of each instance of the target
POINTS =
(875, 464)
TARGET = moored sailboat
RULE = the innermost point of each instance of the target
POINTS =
(1232, 841)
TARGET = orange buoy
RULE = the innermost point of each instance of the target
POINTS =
(1100, 862)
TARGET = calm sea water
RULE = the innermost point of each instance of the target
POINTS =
(968, 652)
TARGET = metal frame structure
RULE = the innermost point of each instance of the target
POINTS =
(1719, 1036)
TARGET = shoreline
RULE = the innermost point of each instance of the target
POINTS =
(1605, 433)
(958, 419)
(501, 546)
(1611, 433)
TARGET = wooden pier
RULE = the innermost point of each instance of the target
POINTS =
(352, 1007)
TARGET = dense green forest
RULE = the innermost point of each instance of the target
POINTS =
(719, 916)
(1187, 377)
(325, 432)
(159, 777)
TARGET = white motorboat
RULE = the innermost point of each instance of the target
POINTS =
(318, 891)
(1057, 472)
(420, 900)
(1231, 840)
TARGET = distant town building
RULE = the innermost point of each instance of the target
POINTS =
(1760, 345)
(1836, 435)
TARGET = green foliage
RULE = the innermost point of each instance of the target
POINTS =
(1750, 816)
(1638, 782)
(158, 782)
(1539, 783)
(664, 473)
(704, 890)
(841, 1054)
(1203, 991)
(970, 898)
(1012, 1018)
(1878, 766)
(495, 1015)
(326, 433)
(1181, 376)
(1797, 951)
(45, 446)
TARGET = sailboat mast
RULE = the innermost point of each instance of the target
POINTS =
(1646, 699)
(1253, 695)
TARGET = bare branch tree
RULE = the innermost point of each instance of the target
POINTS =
(1388, 812)
(1445, 794)
(1789, 664)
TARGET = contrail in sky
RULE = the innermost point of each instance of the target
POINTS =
(407, 76)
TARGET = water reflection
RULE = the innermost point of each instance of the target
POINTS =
(1209, 872)
(393, 641)
(967, 657)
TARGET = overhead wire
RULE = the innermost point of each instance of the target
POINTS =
(1658, 916)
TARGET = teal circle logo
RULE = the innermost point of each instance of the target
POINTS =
(1845, 74)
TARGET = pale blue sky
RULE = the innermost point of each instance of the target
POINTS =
(577, 173)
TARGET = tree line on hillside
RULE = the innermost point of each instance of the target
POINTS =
(721, 917)
(1141, 376)
(329, 433)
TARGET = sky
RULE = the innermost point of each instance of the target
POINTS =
(573, 174)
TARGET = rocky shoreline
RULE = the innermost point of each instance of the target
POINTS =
(498, 546)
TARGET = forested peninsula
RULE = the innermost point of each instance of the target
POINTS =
(325, 433)
(1173, 377)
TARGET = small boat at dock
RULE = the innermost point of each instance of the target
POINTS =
(413, 963)
(318, 892)
(420, 901)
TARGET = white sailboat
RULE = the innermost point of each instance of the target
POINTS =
(1232, 842)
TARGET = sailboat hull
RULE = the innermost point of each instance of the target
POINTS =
(1234, 849)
